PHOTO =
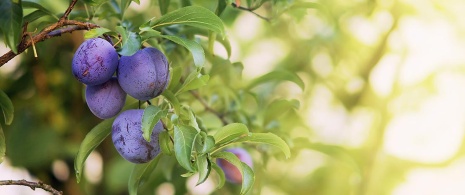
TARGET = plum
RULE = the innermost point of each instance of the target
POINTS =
(105, 100)
(127, 137)
(94, 62)
(145, 74)
(233, 174)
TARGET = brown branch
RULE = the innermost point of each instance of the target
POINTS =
(63, 25)
(237, 6)
(208, 108)
(32, 185)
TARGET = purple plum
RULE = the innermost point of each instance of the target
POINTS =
(145, 74)
(105, 100)
(127, 137)
(94, 62)
(232, 173)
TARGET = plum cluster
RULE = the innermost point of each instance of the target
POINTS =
(144, 76)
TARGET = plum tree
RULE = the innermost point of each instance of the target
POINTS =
(127, 137)
(105, 100)
(145, 74)
(231, 172)
(94, 62)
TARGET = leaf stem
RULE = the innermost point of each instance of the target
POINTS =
(32, 185)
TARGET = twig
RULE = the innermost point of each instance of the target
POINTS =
(55, 29)
(251, 11)
(208, 108)
(32, 185)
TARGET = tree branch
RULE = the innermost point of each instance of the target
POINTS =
(32, 185)
(55, 29)
(208, 108)
(237, 6)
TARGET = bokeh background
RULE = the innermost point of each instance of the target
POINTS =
(382, 111)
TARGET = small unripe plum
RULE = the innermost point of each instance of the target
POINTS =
(94, 62)
(127, 137)
(231, 172)
(145, 74)
(105, 100)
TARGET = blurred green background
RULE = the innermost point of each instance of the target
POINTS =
(382, 112)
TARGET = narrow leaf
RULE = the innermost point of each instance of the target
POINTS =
(246, 171)
(195, 16)
(7, 106)
(2, 145)
(140, 173)
(95, 32)
(164, 4)
(248, 178)
(268, 138)
(184, 137)
(11, 19)
(195, 83)
(173, 100)
(165, 143)
(34, 16)
(208, 144)
(30, 4)
(220, 172)
(278, 108)
(204, 167)
(90, 142)
(279, 75)
(152, 115)
(230, 132)
(196, 50)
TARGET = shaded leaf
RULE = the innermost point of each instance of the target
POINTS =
(195, 16)
(140, 173)
(204, 167)
(221, 176)
(184, 137)
(194, 81)
(230, 132)
(152, 115)
(11, 19)
(90, 142)
(173, 100)
(34, 16)
(279, 107)
(196, 50)
(2, 145)
(31, 4)
(164, 4)
(165, 143)
(7, 106)
(279, 75)
(267, 138)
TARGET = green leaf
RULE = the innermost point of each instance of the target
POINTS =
(267, 138)
(30, 4)
(11, 19)
(164, 4)
(220, 172)
(131, 42)
(194, 81)
(2, 145)
(246, 172)
(230, 132)
(278, 108)
(184, 137)
(175, 76)
(165, 143)
(196, 50)
(173, 100)
(204, 167)
(195, 16)
(34, 16)
(221, 6)
(278, 75)
(248, 178)
(124, 5)
(152, 115)
(90, 142)
(7, 106)
(208, 144)
(95, 32)
(140, 173)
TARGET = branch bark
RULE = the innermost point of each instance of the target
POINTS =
(32, 185)
(63, 25)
